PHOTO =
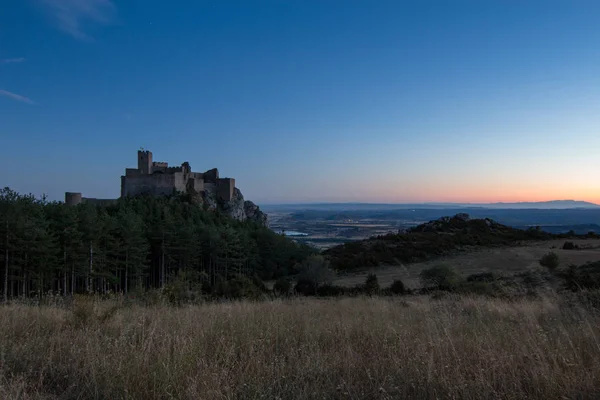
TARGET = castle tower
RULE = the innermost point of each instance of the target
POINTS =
(145, 162)
(225, 188)
(72, 198)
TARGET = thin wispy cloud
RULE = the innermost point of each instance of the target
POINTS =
(11, 60)
(71, 16)
(16, 97)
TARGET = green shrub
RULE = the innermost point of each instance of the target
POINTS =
(184, 288)
(282, 287)
(315, 271)
(481, 277)
(482, 288)
(550, 261)
(356, 290)
(586, 276)
(397, 287)
(83, 312)
(239, 287)
(259, 283)
(86, 312)
(440, 277)
(534, 278)
(305, 287)
(570, 246)
(371, 285)
(588, 297)
(331, 290)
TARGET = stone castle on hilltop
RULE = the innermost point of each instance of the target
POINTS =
(158, 179)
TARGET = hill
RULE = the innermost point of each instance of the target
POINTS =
(462, 223)
(429, 240)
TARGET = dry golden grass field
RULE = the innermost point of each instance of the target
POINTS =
(504, 260)
(410, 347)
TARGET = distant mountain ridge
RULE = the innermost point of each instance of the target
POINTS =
(552, 204)
(556, 204)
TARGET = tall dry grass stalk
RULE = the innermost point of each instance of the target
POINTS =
(361, 348)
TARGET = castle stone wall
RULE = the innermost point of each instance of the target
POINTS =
(158, 184)
(196, 184)
(132, 172)
(180, 182)
(211, 176)
(173, 170)
(74, 198)
(225, 188)
(158, 169)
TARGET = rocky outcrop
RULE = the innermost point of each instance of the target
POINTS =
(253, 213)
(236, 208)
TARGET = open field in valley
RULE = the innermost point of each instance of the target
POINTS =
(350, 348)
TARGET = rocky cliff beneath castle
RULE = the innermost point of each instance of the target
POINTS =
(236, 208)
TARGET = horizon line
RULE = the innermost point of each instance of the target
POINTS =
(432, 203)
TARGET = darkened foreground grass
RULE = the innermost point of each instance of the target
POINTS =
(349, 348)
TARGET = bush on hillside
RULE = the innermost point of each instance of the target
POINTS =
(440, 277)
(550, 261)
(184, 287)
(481, 288)
(331, 290)
(305, 287)
(481, 277)
(315, 271)
(586, 276)
(534, 279)
(397, 287)
(259, 283)
(239, 287)
(371, 285)
(282, 287)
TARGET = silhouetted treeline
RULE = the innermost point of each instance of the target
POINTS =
(136, 243)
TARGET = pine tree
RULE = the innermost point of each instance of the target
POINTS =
(41, 249)
(64, 225)
(134, 246)
(8, 224)
(90, 228)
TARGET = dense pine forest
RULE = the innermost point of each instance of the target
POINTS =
(135, 244)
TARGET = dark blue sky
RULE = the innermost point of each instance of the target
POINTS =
(390, 101)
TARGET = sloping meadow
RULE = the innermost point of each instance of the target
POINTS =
(367, 348)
